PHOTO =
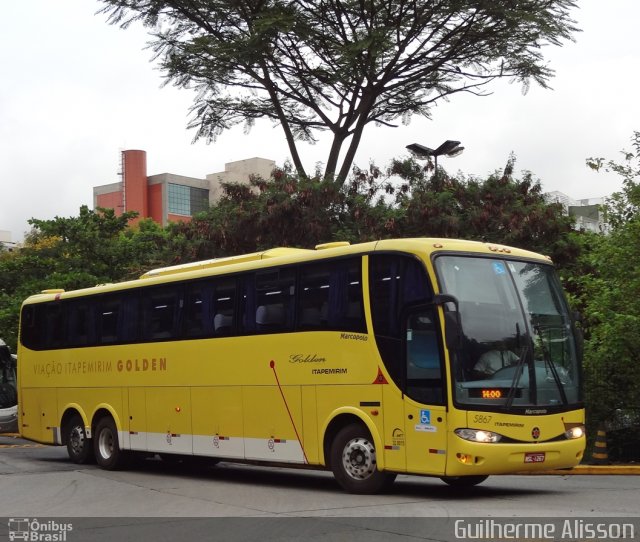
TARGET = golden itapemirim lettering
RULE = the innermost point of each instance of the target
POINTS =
(144, 364)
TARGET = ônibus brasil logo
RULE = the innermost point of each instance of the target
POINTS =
(38, 531)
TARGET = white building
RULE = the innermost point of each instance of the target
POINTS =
(587, 212)
(5, 240)
(238, 172)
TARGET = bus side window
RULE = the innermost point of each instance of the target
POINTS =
(55, 328)
(274, 301)
(161, 312)
(223, 305)
(197, 319)
(82, 329)
(395, 283)
(108, 313)
(330, 297)
(345, 309)
(30, 326)
(313, 297)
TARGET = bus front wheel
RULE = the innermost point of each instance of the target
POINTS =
(106, 446)
(354, 463)
(79, 446)
(463, 481)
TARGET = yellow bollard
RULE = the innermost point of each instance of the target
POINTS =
(600, 455)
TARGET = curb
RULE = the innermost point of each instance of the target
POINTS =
(608, 470)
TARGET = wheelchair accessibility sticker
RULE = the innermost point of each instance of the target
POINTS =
(425, 423)
(498, 268)
(425, 417)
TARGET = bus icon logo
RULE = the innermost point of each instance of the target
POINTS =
(425, 417)
(18, 528)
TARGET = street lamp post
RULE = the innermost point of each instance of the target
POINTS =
(448, 148)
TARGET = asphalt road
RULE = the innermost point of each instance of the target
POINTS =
(258, 503)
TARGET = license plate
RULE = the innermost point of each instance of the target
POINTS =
(534, 457)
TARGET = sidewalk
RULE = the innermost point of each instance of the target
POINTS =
(608, 470)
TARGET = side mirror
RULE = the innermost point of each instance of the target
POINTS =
(452, 323)
(441, 299)
(453, 330)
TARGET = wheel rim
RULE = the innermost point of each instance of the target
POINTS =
(106, 443)
(359, 458)
(76, 439)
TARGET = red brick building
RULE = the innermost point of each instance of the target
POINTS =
(168, 197)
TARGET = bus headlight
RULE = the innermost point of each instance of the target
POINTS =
(574, 432)
(476, 435)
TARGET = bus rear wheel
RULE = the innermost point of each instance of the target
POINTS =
(354, 463)
(463, 481)
(79, 447)
(106, 447)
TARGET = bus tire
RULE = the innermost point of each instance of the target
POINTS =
(106, 446)
(79, 447)
(463, 481)
(354, 464)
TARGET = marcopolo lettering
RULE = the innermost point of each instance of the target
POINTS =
(354, 337)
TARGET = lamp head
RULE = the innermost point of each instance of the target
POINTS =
(420, 151)
(448, 147)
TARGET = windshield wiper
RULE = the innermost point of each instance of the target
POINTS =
(516, 377)
(548, 361)
(518, 372)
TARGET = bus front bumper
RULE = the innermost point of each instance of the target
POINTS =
(474, 458)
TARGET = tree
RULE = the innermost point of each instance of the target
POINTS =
(88, 244)
(624, 205)
(287, 210)
(611, 302)
(76, 252)
(499, 209)
(341, 65)
(404, 200)
(612, 314)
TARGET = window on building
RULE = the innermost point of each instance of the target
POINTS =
(187, 200)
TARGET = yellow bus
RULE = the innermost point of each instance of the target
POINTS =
(436, 357)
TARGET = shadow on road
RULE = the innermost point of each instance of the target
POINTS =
(288, 478)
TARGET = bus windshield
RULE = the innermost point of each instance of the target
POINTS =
(517, 347)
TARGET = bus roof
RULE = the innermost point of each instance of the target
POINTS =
(283, 255)
(220, 262)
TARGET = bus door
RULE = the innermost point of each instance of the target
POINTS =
(424, 387)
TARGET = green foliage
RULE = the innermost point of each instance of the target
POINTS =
(500, 209)
(406, 200)
(607, 283)
(341, 65)
(612, 355)
(623, 206)
(76, 252)
(89, 243)
(286, 210)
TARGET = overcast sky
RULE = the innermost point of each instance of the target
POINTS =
(75, 91)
